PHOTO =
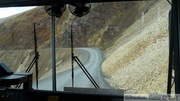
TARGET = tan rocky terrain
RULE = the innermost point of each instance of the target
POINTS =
(139, 63)
(132, 35)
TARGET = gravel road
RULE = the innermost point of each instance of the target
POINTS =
(92, 59)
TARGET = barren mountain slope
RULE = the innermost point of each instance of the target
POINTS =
(94, 29)
(134, 37)
(139, 62)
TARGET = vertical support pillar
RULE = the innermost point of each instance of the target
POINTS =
(72, 55)
(171, 55)
(53, 55)
(176, 32)
(36, 55)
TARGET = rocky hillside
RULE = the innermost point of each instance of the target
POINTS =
(94, 29)
(100, 28)
(129, 33)
(138, 60)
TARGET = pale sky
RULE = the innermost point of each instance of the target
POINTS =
(5, 12)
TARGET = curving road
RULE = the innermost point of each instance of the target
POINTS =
(92, 59)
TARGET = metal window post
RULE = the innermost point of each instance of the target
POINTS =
(176, 31)
(53, 55)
